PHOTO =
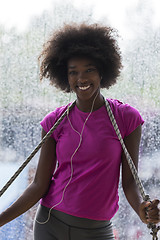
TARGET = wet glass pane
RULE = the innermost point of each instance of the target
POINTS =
(24, 101)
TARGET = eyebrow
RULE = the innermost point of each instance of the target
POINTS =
(87, 65)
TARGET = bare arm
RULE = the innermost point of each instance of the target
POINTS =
(38, 187)
(129, 186)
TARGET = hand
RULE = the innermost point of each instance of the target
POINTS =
(149, 212)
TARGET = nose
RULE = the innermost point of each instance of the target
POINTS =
(82, 77)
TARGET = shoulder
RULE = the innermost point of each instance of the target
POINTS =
(127, 117)
(123, 109)
(56, 113)
(117, 105)
(49, 120)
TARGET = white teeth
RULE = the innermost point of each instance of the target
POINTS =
(84, 88)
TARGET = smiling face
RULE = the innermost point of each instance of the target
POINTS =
(83, 77)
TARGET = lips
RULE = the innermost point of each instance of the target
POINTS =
(83, 88)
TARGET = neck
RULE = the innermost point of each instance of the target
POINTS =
(86, 105)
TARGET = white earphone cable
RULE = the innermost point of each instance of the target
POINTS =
(79, 144)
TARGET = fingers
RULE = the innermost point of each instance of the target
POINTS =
(143, 212)
(153, 212)
(155, 202)
(149, 212)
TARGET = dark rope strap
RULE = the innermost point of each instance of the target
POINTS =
(24, 164)
(132, 167)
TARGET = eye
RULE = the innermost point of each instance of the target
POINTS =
(91, 69)
(71, 73)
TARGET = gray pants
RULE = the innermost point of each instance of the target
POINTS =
(62, 226)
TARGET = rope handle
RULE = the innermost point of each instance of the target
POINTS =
(132, 167)
(24, 164)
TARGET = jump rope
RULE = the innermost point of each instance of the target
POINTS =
(153, 227)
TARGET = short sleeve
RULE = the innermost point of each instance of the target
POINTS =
(48, 122)
(51, 118)
(127, 117)
(131, 119)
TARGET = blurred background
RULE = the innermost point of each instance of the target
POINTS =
(24, 100)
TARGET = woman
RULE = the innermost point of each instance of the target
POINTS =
(80, 196)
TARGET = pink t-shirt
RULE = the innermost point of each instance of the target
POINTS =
(93, 190)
